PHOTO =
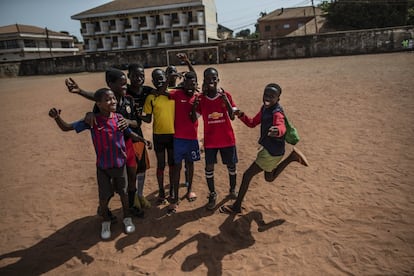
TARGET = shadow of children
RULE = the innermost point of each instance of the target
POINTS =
(70, 241)
(234, 235)
(166, 227)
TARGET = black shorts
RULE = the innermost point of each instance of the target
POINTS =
(107, 187)
(163, 142)
(228, 155)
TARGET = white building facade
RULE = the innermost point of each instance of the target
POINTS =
(126, 24)
(20, 42)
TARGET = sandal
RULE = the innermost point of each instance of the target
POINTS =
(191, 196)
(228, 209)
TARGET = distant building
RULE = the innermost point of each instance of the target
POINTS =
(290, 21)
(126, 24)
(19, 42)
(224, 33)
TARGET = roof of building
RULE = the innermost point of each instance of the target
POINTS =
(221, 28)
(288, 13)
(124, 5)
(28, 29)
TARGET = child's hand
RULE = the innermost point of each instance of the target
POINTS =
(122, 124)
(273, 131)
(72, 86)
(196, 101)
(148, 144)
(182, 56)
(54, 113)
(238, 112)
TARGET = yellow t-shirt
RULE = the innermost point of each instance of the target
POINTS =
(162, 109)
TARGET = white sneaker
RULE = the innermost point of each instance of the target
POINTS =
(106, 230)
(129, 226)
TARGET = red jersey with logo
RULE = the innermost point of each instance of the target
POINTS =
(218, 132)
(183, 126)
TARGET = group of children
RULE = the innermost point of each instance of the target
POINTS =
(173, 110)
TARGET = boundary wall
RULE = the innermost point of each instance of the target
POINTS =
(321, 45)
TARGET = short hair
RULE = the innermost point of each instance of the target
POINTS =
(276, 86)
(156, 72)
(210, 70)
(171, 69)
(190, 75)
(112, 75)
(100, 93)
(135, 67)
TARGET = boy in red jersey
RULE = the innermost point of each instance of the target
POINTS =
(186, 145)
(272, 139)
(110, 150)
(216, 107)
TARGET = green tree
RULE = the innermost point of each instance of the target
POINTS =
(243, 33)
(410, 13)
(352, 14)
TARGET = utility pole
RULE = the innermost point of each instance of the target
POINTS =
(314, 17)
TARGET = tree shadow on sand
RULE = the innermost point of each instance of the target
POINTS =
(70, 241)
(234, 235)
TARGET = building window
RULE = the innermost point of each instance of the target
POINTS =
(65, 44)
(142, 22)
(9, 44)
(30, 43)
(112, 25)
(176, 36)
(286, 26)
(267, 28)
(300, 25)
(97, 27)
(174, 18)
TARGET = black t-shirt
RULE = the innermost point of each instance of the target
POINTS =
(139, 98)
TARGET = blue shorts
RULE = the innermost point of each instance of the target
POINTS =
(228, 155)
(187, 150)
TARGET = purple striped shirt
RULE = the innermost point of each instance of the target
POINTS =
(108, 141)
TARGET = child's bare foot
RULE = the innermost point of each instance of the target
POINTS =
(299, 157)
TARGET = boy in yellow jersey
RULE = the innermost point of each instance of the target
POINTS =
(162, 109)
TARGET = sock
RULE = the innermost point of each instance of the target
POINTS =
(140, 183)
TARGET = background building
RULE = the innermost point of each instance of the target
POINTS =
(289, 21)
(224, 32)
(126, 24)
(19, 42)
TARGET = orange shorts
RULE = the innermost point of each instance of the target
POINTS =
(130, 153)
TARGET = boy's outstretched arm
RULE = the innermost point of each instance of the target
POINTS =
(137, 138)
(193, 113)
(183, 57)
(227, 103)
(73, 87)
(55, 114)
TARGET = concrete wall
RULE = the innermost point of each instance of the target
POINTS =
(329, 44)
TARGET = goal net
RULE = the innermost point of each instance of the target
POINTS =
(196, 55)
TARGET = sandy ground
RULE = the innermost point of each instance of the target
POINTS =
(350, 213)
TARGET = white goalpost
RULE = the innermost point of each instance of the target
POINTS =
(197, 55)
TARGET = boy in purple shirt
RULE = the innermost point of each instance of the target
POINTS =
(110, 150)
